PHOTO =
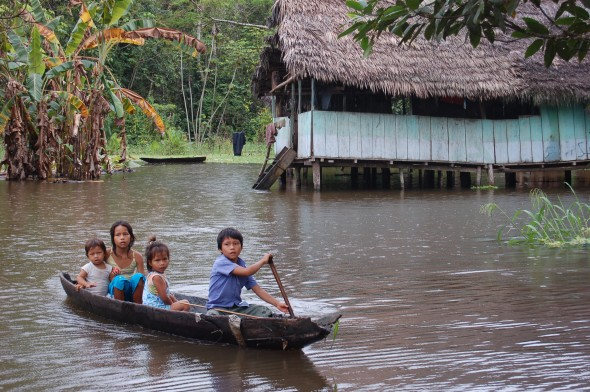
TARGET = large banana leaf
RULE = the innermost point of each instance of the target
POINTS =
(19, 45)
(37, 11)
(114, 35)
(35, 86)
(147, 109)
(117, 104)
(128, 105)
(77, 34)
(137, 24)
(172, 35)
(114, 10)
(68, 66)
(48, 34)
(75, 102)
(36, 64)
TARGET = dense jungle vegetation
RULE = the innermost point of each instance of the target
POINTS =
(80, 80)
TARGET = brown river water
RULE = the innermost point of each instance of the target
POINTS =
(430, 300)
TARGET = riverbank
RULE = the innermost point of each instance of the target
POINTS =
(219, 153)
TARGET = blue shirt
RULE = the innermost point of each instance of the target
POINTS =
(224, 287)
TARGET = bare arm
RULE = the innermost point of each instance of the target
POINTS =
(114, 272)
(161, 289)
(254, 268)
(139, 261)
(82, 282)
(266, 297)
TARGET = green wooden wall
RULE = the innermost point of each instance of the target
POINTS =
(558, 134)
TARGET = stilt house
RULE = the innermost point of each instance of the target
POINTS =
(427, 106)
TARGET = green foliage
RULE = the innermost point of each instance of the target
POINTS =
(547, 223)
(563, 35)
(60, 104)
(212, 94)
(141, 130)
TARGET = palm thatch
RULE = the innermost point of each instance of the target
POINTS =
(306, 45)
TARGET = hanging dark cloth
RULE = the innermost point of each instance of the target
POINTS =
(238, 141)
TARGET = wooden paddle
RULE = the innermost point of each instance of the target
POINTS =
(276, 274)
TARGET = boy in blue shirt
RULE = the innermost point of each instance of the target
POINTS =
(230, 274)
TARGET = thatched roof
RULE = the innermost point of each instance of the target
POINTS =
(307, 45)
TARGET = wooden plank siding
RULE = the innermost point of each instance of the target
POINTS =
(526, 144)
(440, 139)
(474, 140)
(557, 134)
(550, 132)
(489, 151)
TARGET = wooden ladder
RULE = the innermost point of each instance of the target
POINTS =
(270, 174)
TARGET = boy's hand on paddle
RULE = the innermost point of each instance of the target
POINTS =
(282, 307)
(266, 258)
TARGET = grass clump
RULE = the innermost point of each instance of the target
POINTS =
(484, 187)
(547, 223)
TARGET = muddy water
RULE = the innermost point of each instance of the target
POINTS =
(430, 300)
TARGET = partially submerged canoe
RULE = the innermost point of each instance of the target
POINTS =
(273, 333)
(174, 159)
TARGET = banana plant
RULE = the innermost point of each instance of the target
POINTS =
(58, 96)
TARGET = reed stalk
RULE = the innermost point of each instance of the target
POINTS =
(547, 223)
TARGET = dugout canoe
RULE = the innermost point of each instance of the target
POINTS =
(174, 159)
(282, 333)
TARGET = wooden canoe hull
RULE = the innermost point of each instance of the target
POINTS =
(174, 159)
(270, 333)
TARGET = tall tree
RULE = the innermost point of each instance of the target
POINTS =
(212, 92)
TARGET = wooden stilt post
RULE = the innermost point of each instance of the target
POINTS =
(385, 177)
(298, 177)
(317, 176)
(478, 176)
(491, 174)
(520, 178)
(354, 177)
(401, 178)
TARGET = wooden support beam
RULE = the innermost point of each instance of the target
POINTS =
(317, 176)
(386, 177)
(491, 174)
(298, 177)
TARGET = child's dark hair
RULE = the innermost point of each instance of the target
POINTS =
(94, 242)
(129, 229)
(229, 232)
(154, 248)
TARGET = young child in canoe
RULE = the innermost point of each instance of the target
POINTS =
(128, 285)
(96, 274)
(156, 292)
(230, 274)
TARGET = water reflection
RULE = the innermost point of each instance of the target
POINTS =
(430, 300)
